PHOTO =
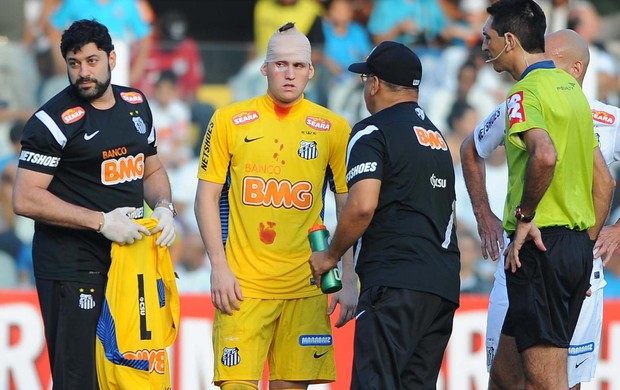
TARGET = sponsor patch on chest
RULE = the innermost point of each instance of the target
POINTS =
(132, 97)
(73, 115)
(245, 117)
(318, 123)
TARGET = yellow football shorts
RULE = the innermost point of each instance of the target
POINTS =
(294, 334)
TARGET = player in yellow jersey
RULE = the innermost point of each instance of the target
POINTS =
(280, 151)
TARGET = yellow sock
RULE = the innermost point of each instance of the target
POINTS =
(238, 385)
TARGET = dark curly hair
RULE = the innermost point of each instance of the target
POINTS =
(83, 32)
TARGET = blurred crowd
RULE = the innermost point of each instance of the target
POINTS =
(157, 55)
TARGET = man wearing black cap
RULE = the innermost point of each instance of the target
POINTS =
(401, 203)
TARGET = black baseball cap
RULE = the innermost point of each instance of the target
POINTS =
(392, 62)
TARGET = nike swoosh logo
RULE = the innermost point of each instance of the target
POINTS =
(316, 355)
(580, 363)
(252, 139)
(359, 315)
(88, 137)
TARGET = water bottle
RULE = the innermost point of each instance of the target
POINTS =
(330, 280)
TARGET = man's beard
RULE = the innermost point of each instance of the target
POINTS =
(92, 93)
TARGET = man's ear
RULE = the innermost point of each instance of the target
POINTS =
(311, 74)
(578, 69)
(263, 69)
(375, 85)
(112, 60)
(512, 42)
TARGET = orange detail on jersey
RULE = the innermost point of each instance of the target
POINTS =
(156, 358)
(118, 152)
(515, 111)
(132, 97)
(258, 192)
(267, 233)
(114, 171)
(73, 115)
(245, 117)
(269, 169)
(603, 117)
(430, 138)
(317, 123)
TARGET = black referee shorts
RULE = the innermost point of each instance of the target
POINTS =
(70, 313)
(400, 339)
(545, 295)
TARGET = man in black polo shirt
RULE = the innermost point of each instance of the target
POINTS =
(401, 203)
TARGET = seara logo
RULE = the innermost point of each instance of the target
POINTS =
(132, 97)
(317, 123)
(73, 115)
(603, 117)
(271, 192)
(245, 117)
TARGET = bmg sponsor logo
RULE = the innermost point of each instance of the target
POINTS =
(430, 138)
(260, 192)
(155, 357)
(123, 169)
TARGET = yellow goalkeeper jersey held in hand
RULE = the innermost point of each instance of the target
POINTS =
(139, 318)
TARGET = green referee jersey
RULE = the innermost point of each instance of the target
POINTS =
(550, 99)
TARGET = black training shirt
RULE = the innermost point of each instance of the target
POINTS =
(411, 240)
(97, 160)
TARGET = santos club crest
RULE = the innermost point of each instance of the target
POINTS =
(139, 123)
(308, 150)
(230, 357)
